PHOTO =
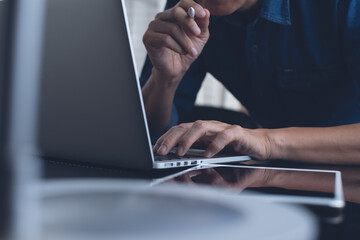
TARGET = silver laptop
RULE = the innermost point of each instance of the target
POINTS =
(91, 107)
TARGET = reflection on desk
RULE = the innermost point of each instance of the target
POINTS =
(313, 187)
(348, 229)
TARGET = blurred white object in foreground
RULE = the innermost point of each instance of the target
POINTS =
(124, 209)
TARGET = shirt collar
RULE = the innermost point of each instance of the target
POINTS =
(277, 11)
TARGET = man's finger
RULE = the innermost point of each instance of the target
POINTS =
(202, 15)
(198, 131)
(203, 23)
(176, 32)
(159, 40)
(170, 139)
(179, 15)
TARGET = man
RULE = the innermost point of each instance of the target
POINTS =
(295, 65)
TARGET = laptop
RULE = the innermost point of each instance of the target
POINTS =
(91, 108)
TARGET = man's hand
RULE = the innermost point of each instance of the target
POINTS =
(215, 136)
(174, 40)
(237, 179)
(335, 145)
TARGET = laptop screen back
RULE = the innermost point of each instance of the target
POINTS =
(90, 105)
(3, 68)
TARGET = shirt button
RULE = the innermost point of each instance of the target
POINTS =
(255, 48)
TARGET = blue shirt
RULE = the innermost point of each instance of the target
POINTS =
(297, 64)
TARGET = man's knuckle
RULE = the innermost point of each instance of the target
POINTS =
(226, 134)
(174, 29)
(215, 146)
(158, 15)
(183, 142)
(184, 2)
(214, 121)
(167, 142)
(165, 39)
(182, 127)
(176, 11)
(173, 128)
(236, 127)
(158, 142)
(199, 124)
(153, 24)
(145, 38)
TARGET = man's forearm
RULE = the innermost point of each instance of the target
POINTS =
(340, 145)
(158, 100)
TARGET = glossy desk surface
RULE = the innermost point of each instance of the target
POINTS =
(345, 226)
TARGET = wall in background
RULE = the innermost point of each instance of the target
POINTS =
(140, 13)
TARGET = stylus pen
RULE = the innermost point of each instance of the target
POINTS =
(191, 12)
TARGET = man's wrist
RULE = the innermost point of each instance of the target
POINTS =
(165, 81)
(276, 143)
